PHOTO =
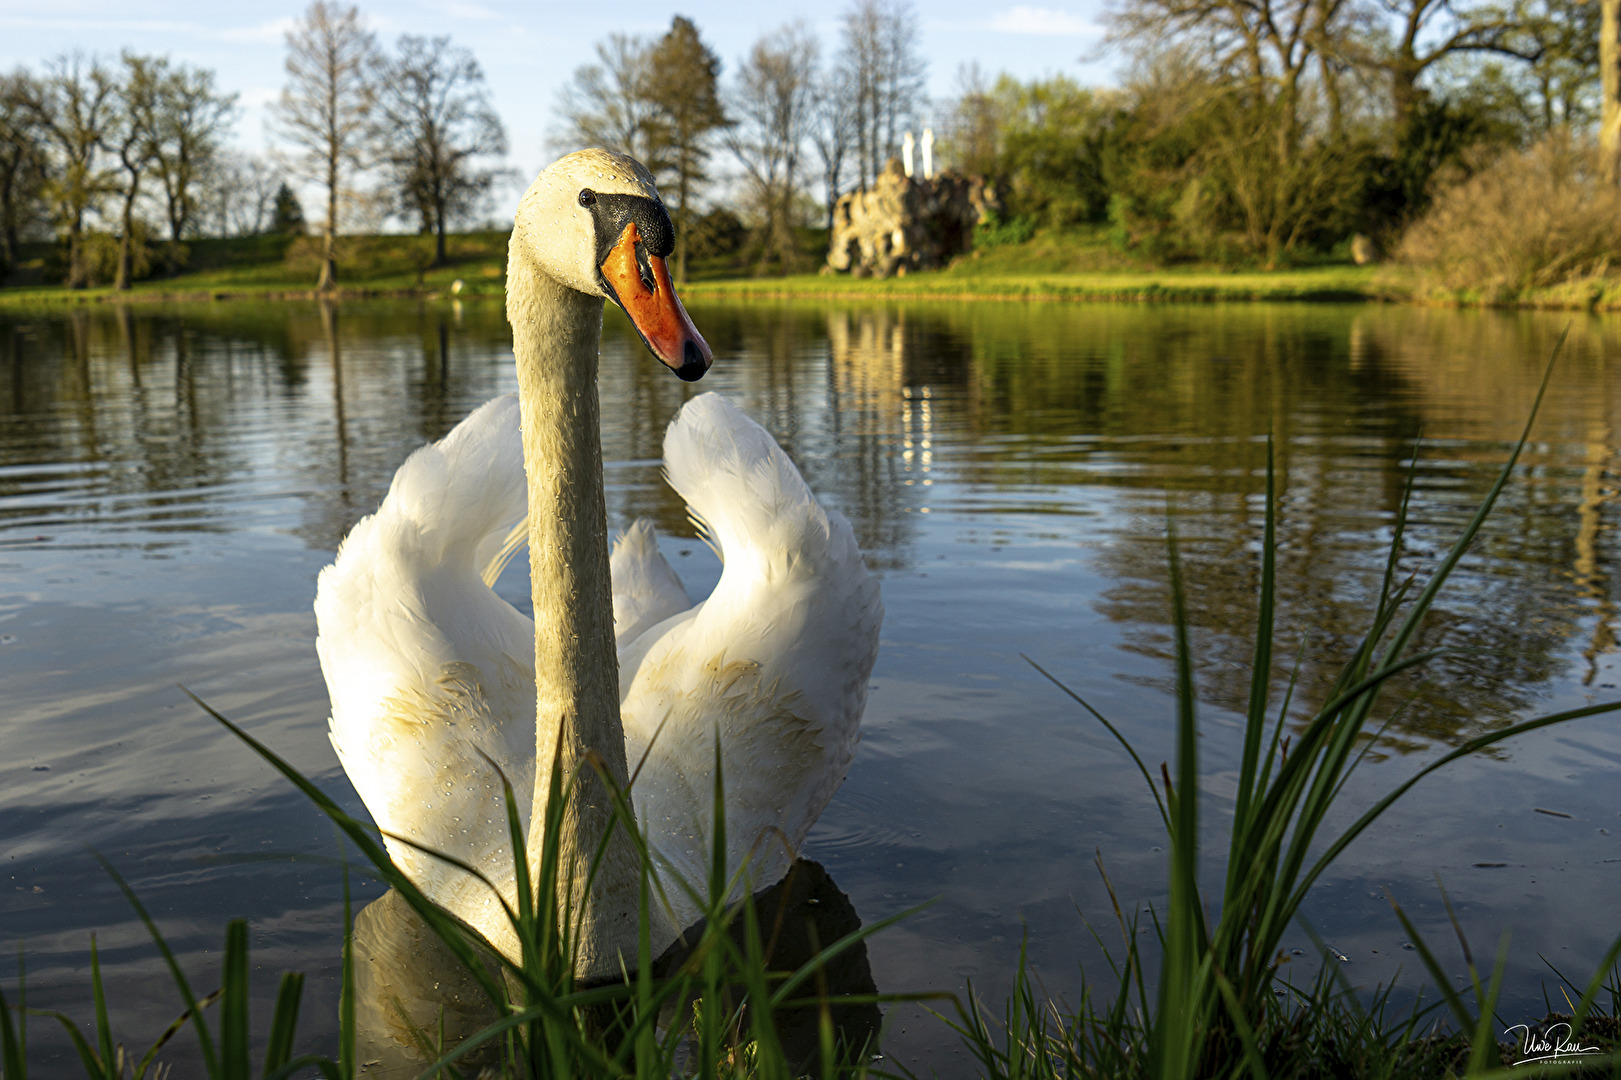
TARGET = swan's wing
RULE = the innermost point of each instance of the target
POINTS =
(776, 660)
(427, 668)
(646, 591)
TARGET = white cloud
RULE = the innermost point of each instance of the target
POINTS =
(1043, 22)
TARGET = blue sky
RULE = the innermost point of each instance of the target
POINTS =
(528, 50)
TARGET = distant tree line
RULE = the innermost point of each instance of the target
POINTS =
(1264, 131)
(121, 162)
(1270, 131)
(786, 123)
(1246, 131)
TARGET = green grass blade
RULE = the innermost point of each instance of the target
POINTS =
(826, 955)
(1388, 596)
(1472, 746)
(717, 862)
(1589, 994)
(1426, 597)
(1261, 662)
(1241, 1024)
(1180, 1010)
(170, 1032)
(1483, 1047)
(93, 1066)
(284, 1021)
(193, 1007)
(234, 1004)
(346, 992)
(1454, 1000)
(444, 926)
(13, 1053)
(1153, 788)
(104, 1027)
(325, 1066)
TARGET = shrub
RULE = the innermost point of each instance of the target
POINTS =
(715, 234)
(1041, 141)
(99, 252)
(1533, 219)
(994, 231)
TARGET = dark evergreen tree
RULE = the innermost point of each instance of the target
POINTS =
(288, 216)
(682, 78)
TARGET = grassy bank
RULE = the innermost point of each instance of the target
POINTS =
(283, 267)
(1316, 283)
(1072, 265)
(1048, 267)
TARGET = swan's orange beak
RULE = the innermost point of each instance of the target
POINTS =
(640, 283)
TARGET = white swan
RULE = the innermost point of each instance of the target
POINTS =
(427, 667)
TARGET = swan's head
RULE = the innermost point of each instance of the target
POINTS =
(594, 221)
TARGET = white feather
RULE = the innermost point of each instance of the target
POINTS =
(427, 666)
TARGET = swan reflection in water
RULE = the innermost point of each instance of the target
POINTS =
(407, 983)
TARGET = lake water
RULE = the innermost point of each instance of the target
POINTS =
(172, 479)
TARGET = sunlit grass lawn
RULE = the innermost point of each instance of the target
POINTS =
(1060, 266)
(275, 266)
(1312, 283)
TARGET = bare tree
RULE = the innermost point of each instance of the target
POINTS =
(192, 117)
(833, 133)
(134, 137)
(73, 109)
(1609, 129)
(773, 101)
(22, 163)
(885, 74)
(608, 104)
(682, 82)
(236, 194)
(325, 109)
(434, 124)
(976, 123)
(1262, 51)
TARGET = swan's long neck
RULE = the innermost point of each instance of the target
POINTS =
(556, 335)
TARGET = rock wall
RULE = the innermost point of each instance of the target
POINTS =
(903, 223)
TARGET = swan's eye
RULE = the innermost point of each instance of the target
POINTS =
(587, 197)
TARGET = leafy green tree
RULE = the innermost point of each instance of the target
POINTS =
(1429, 32)
(1561, 38)
(193, 119)
(1195, 168)
(22, 164)
(683, 77)
(133, 136)
(73, 109)
(1043, 139)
